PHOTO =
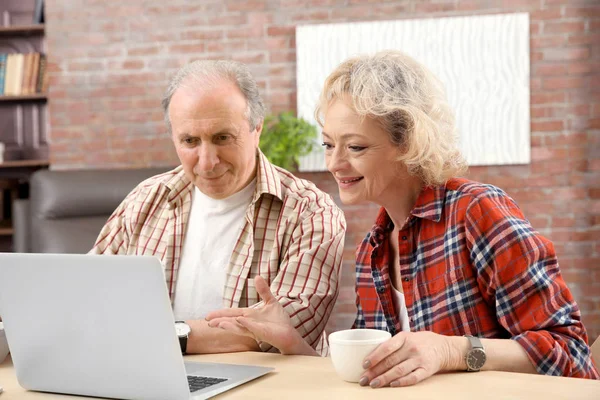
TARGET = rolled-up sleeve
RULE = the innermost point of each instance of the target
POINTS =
(518, 268)
(307, 284)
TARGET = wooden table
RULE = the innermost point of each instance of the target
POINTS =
(312, 378)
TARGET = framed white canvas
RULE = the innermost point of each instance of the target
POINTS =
(482, 60)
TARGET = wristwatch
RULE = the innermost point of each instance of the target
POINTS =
(183, 331)
(475, 357)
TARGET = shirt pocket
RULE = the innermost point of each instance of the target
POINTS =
(435, 283)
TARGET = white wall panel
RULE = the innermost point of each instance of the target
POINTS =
(482, 60)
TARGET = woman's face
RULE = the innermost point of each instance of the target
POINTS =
(361, 156)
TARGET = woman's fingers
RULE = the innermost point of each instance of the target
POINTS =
(398, 371)
(413, 378)
(383, 351)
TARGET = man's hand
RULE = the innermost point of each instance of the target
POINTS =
(406, 359)
(267, 323)
(206, 340)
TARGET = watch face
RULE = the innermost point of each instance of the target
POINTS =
(182, 329)
(475, 359)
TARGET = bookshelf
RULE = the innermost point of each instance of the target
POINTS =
(24, 30)
(23, 109)
(23, 97)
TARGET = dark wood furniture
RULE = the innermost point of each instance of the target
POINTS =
(23, 118)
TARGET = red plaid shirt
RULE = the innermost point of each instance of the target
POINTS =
(472, 264)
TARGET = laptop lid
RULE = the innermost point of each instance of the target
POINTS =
(97, 326)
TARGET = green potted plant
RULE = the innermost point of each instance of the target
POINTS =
(285, 138)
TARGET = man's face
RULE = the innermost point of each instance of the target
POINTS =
(213, 139)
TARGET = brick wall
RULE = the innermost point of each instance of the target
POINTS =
(110, 62)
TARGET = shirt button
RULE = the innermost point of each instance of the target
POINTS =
(380, 289)
(406, 279)
(404, 237)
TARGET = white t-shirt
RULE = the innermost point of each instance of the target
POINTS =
(400, 305)
(213, 228)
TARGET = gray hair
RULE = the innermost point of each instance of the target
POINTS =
(410, 104)
(207, 73)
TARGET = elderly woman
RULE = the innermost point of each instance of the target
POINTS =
(451, 268)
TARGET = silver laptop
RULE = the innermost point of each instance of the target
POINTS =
(101, 326)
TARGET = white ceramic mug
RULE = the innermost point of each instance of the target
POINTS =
(350, 347)
(3, 344)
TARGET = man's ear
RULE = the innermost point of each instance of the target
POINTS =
(259, 128)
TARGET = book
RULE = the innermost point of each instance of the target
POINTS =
(34, 73)
(41, 79)
(18, 76)
(9, 75)
(27, 68)
(3, 58)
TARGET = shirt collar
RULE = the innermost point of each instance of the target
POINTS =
(429, 205)
(267, 181)
(267, 178)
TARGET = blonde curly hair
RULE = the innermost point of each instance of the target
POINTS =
(410, 104)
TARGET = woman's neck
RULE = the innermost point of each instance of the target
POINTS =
(402, 203)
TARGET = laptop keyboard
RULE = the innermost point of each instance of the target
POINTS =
(201, 382)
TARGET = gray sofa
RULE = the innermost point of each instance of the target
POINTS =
(66, 209)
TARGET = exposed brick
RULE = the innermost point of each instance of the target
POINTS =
(549, 41)
(281, 30)
(545, 14)
(567, 54)
(315, 16)
(545, 98)
(143, 51)
(564, 27)
(552, 69)
(202, 35)
(246, 5)
(544, 153)
(547, 126)
(229, 20)
(582, 11)
(563, 83)
(584, 39)
(427, 7)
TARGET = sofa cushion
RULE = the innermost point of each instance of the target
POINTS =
(64, 194)
(68, 208)
(69, 235)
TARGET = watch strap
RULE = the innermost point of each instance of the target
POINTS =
(182, 339)
(183, 343)
(475, 342)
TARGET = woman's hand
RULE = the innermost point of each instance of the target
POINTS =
(269, 323)
(406, 359)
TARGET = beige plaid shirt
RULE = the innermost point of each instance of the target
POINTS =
(293, 236)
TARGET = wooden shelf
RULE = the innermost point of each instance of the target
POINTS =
(6, 228)
(24, 97)
(22, 30)
(24, 163)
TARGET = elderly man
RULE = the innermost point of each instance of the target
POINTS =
(227, 215)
